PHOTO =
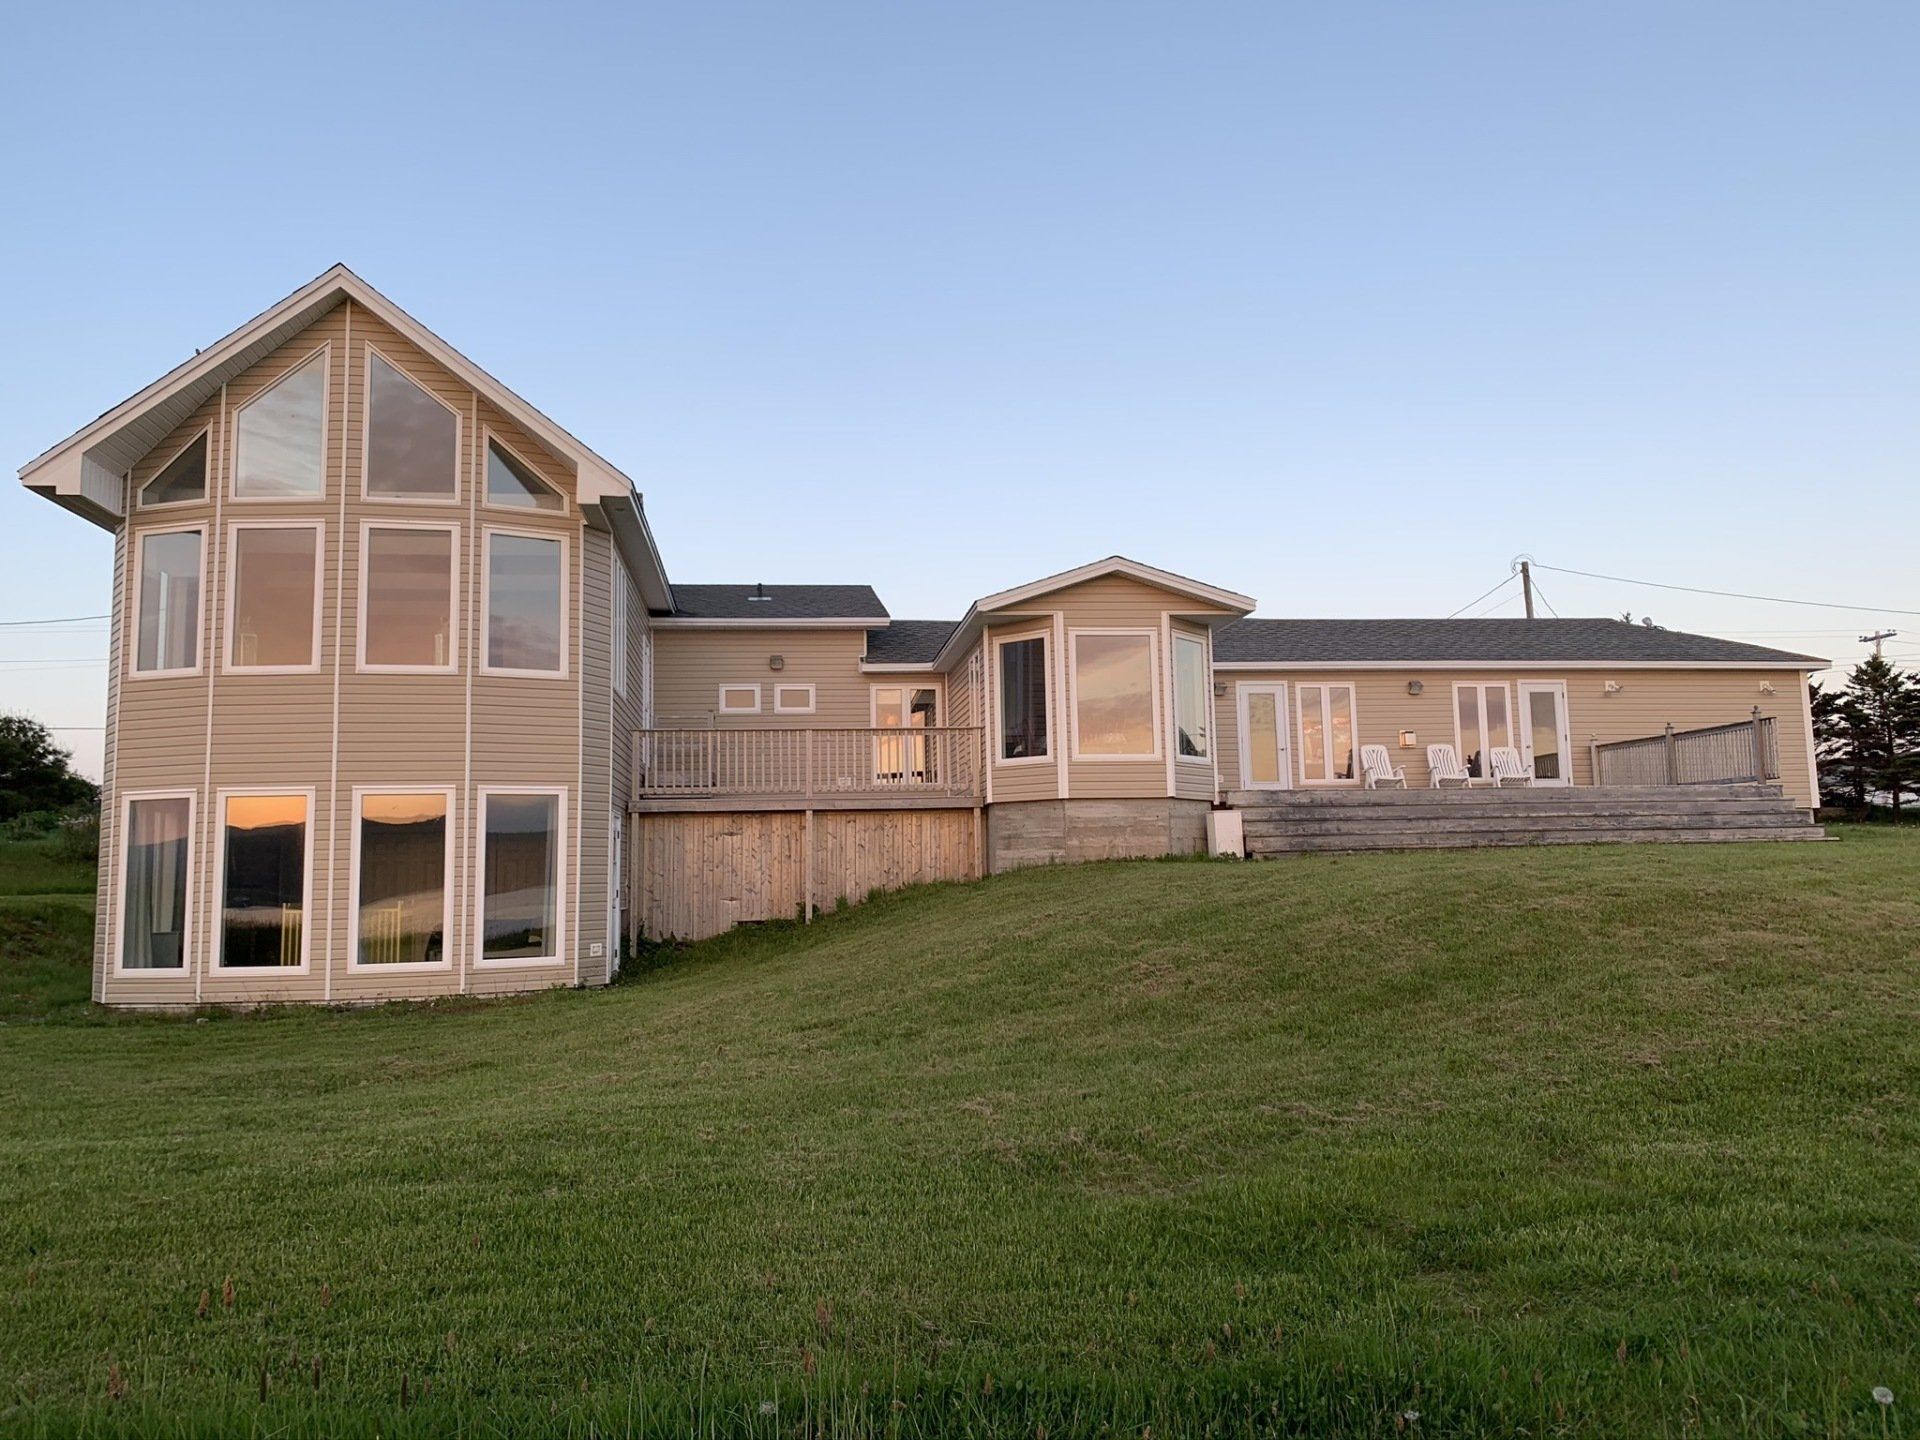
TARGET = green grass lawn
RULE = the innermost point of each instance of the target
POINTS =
(1560, 1142)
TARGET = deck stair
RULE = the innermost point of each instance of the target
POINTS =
(1282, 822)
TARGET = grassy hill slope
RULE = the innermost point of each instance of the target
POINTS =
(1591, 1141)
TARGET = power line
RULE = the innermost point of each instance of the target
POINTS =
(1483, 594)
(1729, 594)
(63, 620)
(1541, 596)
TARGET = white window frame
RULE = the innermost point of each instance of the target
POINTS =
(906, 684)
(366, 666)
(487, 533)
(445, 962)
(1206, 699)
(188, 917)
(560, 845)
(720, 706)
(134, 672)
(1000, 642)
(1486, 741)
(621, 639)
(326, 427)
(1300, 687)
(1154, 681)
(219, 944)
(139, 504)
(491, 436)
(813, 696)
(366, 435)
(234, 527)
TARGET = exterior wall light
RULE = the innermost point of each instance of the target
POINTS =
(776, 662)
(1414, 687)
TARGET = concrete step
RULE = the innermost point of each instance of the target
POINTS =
(1473, 809)
(1263, 827)
(1425, 839)
(1258, 799)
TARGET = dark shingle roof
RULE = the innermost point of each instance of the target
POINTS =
(908, 642)
(783, 602)
(1355, 642)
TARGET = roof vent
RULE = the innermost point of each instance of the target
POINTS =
(759, 592)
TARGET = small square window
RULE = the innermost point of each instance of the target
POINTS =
(793, 699)
(739, 699)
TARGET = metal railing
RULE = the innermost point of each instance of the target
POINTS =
(769, 762)
(1711, 755)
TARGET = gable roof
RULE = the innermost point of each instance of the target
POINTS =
(1114, 565)
(789, 604)
(1489, 641)
(908, 642)
(83, 472)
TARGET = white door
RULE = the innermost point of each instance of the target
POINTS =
(1265, 763)
(1545, 740)
(1480, 722)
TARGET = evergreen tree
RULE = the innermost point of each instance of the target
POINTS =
(1869, 734)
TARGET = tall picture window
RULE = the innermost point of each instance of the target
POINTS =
(264, 881)
(153, 901)
(520, 876)
(526, 604)
(167, 602)
(1023, 698)
(407, 598)
(273, 597)
(400, 879)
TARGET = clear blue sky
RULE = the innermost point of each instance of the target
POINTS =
(1339, 305)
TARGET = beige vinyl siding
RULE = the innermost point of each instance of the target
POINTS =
(631, 711)
(596, 770)
(963, 706)
(226, 730)
(691, 665)
(1648, 699)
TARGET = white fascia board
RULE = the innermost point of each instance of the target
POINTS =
(1317, 665)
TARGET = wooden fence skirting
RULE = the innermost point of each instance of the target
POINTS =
(695, 875)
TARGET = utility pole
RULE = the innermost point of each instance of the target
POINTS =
(1526, 584)
(1877, 640)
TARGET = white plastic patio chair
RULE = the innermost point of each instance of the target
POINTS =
(1508, 769)
(1379, 768)
(1444, 768)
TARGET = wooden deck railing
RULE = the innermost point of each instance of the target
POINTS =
(794, 763)
(1714, 754)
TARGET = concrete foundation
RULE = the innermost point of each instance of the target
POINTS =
(1059, 832)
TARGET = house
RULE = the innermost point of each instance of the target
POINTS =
(403, 702)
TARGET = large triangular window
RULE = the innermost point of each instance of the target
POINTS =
(281, 445)
(413, 439)
(182, 480)
(511, 482)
